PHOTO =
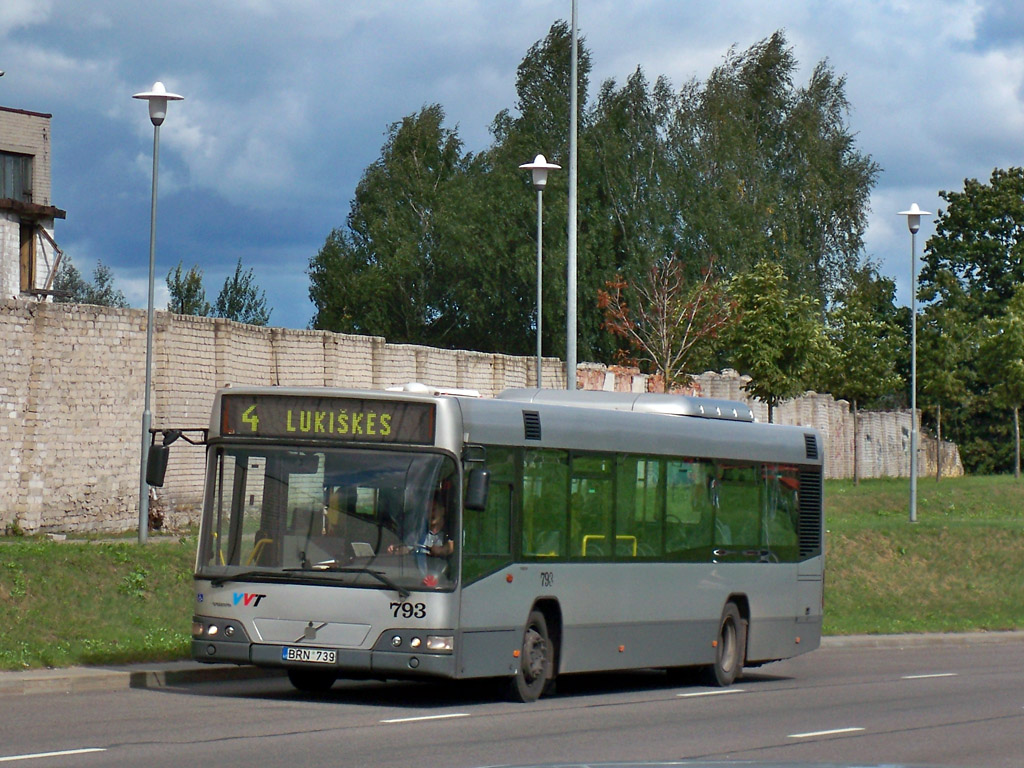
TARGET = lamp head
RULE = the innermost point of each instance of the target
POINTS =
(540, 167)
(158, 98)
(914, 217)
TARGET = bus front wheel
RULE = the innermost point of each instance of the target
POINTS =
(730, 648)
(536, 661)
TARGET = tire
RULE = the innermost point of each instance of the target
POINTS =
(536, 661)
(311, 680)
(730, 649)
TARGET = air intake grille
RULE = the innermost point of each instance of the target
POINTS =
(810, 522)
(531, 425)
(811, 444)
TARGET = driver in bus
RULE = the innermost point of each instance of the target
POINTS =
(435, 540)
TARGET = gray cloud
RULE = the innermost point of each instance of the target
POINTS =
(286, 104)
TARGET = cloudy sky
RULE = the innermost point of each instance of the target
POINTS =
(287, 102)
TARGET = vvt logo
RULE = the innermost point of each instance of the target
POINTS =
(247, 598)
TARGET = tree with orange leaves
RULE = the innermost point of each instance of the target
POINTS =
(673, 321)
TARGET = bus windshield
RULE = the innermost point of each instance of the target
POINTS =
(355, 517)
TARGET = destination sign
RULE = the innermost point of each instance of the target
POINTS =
(328, 418)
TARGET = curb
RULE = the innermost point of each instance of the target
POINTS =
(155, 676)
(96, 679)
(898, 642)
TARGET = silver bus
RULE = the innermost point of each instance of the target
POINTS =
(429, 534)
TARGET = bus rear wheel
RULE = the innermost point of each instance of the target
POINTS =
(536, 661)
(311, 680)
(730, 648)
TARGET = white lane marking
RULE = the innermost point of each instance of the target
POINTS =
(709, 693)
(833, 732)
(925, 677)
(64, 753)
(425, 717)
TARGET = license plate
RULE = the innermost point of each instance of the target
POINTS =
(311, 655)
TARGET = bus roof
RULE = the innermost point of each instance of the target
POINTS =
(643, 402)
(590, 421)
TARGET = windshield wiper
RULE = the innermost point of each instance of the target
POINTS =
(378, 575)
(217, 581)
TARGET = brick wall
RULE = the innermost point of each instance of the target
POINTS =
(71, 401)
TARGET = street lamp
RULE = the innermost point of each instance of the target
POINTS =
(570, 250)
(540, 167)
(157, 98)
(913, 224)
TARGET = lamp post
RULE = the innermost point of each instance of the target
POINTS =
(540, 167)
(570, 251)
(157, 98)
(913, 224)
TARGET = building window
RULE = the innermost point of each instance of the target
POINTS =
(28, 256)
(16, 176)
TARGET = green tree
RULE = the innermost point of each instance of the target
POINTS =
(188, 297)
(971, 267)
(770, 170)
(944, 340)
(1002, 361)
(387, 272)
(72, 288)
(438, 247)
(242, 300)
(779, 339)
(629, 205)
(975, 259)
(865, 342)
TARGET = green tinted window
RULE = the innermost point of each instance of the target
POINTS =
(488, 532)
(639, 507)
(738, 518)
(688, 510)
(591, 499)
(782, 510)
(545, 500)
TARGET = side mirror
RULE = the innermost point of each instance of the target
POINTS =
(476, 489)
(156, 465)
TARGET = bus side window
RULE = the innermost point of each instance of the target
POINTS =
(591, 506)
(688, 509)
(781, 513)
(639, 507)
(488, 531)
(545, 503)
(738, 518)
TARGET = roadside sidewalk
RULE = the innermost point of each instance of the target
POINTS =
(113, 678)
(174, 673)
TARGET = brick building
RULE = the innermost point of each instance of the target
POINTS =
(28, 253)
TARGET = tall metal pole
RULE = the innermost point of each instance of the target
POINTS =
(570, 293)
(540, 292)
(913, 375)
(146, 413)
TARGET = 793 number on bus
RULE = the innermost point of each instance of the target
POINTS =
(409, 610)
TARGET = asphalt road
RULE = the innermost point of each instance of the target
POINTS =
(958, 704)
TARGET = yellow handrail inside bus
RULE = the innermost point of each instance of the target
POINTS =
(220, 554)
(596, 537)
(258, 550)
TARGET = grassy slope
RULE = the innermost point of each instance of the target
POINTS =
(94, 603)
(961, 567)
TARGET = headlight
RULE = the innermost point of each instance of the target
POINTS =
(440, 642)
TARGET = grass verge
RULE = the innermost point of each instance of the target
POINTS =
(959, 568)
(67, 603)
